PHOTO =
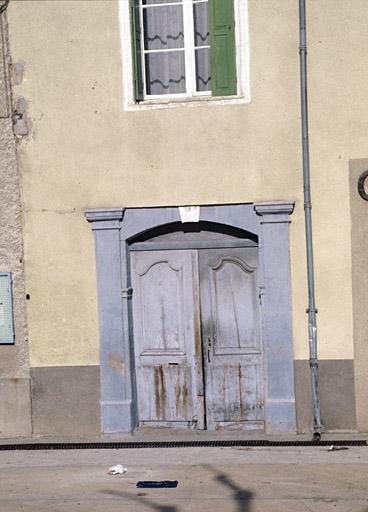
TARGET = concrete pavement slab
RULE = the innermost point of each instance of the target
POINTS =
(226, 479)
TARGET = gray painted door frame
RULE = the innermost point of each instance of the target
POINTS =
(115, 228)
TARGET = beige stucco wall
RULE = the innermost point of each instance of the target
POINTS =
(15, 403)
(85, 151)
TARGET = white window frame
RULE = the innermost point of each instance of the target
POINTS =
(191, 97)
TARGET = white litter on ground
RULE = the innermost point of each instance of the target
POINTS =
(118, 469)
(334, 448)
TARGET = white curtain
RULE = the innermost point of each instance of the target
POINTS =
(164, 30)
(164, 39)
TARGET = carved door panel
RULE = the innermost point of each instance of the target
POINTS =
(231, 338)
(166, 334)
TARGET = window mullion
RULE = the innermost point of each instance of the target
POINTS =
(189, 47)
(143, 53)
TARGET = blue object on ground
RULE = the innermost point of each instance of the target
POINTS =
(158, 484)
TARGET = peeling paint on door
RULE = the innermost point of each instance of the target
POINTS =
(196, 334)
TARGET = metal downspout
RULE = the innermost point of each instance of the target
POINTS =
(312, 311)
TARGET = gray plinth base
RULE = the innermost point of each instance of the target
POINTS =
(280, 417)
(116, 416)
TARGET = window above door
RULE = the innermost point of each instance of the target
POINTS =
(178, 52)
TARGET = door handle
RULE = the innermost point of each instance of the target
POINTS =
(209, 344)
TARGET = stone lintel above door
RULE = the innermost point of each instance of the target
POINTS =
(116, 228)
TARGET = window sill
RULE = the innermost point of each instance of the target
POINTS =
(187, 102)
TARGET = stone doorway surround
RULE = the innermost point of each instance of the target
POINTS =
(115, 228)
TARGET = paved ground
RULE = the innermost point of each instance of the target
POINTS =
(210, 479)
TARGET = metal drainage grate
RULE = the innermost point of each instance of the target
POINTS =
(176, 444)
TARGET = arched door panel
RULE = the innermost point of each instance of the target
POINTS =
(231, 338)
(164, 313)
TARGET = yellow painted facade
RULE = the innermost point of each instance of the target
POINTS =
(85, 151)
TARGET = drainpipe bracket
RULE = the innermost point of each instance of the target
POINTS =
(313, 363)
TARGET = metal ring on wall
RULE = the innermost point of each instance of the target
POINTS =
(363, 190)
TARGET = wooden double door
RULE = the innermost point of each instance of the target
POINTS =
(198, 354)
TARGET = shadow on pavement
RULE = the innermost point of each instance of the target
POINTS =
(240, 496)
(143, 501)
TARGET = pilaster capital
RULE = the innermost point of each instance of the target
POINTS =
(277, 211)
(105, 218)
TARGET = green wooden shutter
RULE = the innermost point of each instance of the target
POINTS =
(137, 52)
(6, 309)
(222, 30)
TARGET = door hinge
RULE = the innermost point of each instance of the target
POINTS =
(126, 293)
